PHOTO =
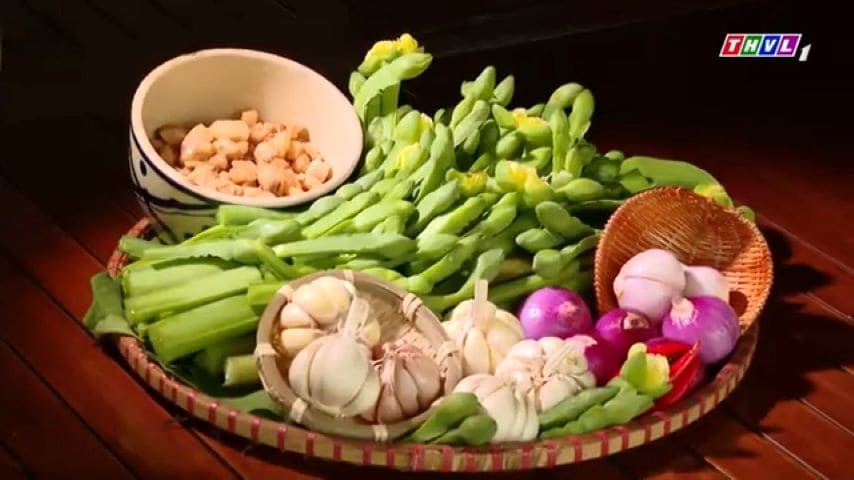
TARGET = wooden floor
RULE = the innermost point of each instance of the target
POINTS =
(773, 135)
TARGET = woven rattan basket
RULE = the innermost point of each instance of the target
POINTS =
(399, 313)
(699, 232)
(287, 437)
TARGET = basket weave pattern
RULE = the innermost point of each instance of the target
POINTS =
(699, 232)
(549, 453)
(402, 313)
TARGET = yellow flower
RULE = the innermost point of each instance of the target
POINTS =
(520, 115)
(513, 176)
(381, 50)
(406, 154)
(407, 44)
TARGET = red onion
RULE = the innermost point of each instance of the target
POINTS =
(622, 328)
(554, 312)
(709, 320)
(602, 360)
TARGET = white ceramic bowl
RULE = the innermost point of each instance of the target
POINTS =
(218, 83)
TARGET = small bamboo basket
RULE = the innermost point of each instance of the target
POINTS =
(699, 232)
(400, 314)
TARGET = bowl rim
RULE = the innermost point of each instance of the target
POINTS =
(175, 179)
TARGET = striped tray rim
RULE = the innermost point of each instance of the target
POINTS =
(417, 457)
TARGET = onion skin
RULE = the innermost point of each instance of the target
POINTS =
(654, 264)
(705, 281)
(706, 319)
(621, 329)
(554, 312)
(650, 298)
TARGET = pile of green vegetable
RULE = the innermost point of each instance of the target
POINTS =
(480, 190)
(460, 417)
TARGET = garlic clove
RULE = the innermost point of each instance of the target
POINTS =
(501, 339)
(334, 292)
(550, 345)
(293, 340)
(532, 422)
(371, 333)
(510, 322)
(366, 399)
(553, 391)
(292, 316)
(471, 382)
(489, 386)
(405, 390)
(299, 372)
(501, 406)
(388, 408)
(475, 353)
(526, 349)
(311, 298)
(520, 417)
(425, 373)
(587, 379)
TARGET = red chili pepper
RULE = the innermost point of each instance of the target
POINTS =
(677, 368)
(680, 389)
(668, 348)
(683, 374)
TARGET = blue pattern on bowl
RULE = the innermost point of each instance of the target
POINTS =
(177, 212)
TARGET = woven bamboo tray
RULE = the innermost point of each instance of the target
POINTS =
(414, 457)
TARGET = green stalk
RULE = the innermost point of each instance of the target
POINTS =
(190, 294)
(146, 280)
(135, 247)
(258, 295)
(242, 250)
(194, 330)
(242, 214)
(389, 245)
(241, 370)
(212, 359)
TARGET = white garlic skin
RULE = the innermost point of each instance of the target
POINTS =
(483, 347)
(514, 413)
(526, 363)
(294, 340)
(325, 299)
(293, 316)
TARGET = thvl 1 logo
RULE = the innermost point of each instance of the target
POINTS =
(764, 45)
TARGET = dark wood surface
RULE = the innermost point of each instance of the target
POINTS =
(774, 132)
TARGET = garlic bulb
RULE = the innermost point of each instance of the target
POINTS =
(410, 382)
(334, 373)
(483, 332)
(324, 300)
(549, 369)
(514, 412)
